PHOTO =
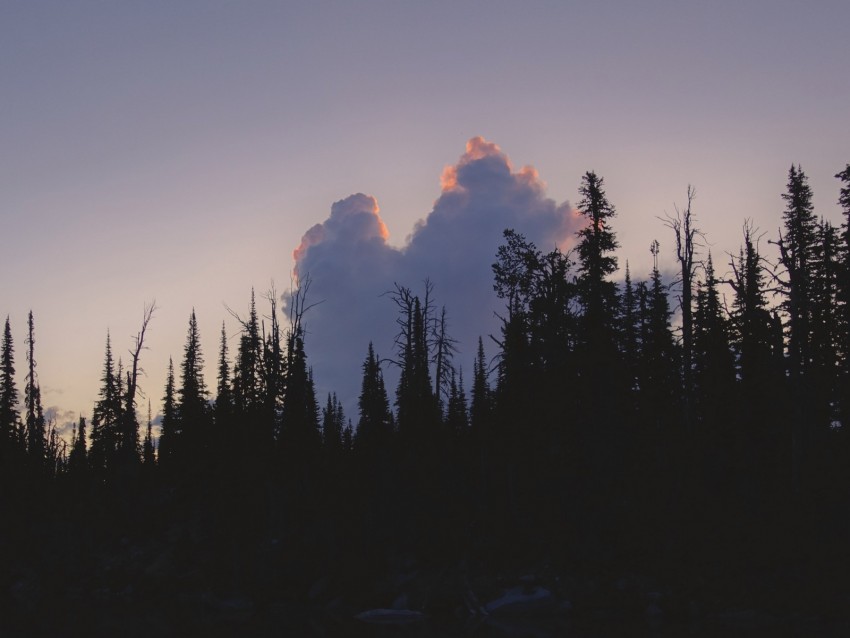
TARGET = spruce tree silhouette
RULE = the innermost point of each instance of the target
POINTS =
(78, 458)
(169, 425)
(796, 251)
(10, 426)
(34, 423)
(375, 423)
(106, 419)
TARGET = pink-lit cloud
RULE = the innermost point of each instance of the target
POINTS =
(351, 265)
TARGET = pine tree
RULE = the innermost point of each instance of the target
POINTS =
(274, 375)
(659, 382)
(601, 384)
(826, 329)
(417, 407)
(333, 423)
(686, 236)
(192, 409)
(300, 436)
(34, 421)
(9, 415)
(169, 432)
(714, 367)
(757, 341)
(375, 425)
(751, 319)
(596, 244)
(630, 334)
(348, 438)
(106, 417)
(223, 412)
(797, 253)
(78, 459)
(223, 401)
(248, 374)
(457, 417)
(482, 401)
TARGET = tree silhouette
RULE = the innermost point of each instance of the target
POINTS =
(169, 432)
(796, 251)
(10, 428)
(192, 408)
(36, 435)
(375, 424)
(78, 459)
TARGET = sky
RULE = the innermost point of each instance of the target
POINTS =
(181, 151)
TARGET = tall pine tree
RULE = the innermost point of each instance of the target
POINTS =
(34, 423)
(10, 427)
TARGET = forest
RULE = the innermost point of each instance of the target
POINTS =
(625, 449)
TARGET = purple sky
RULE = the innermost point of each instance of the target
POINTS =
(180, 150)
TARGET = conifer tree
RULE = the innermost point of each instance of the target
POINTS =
(481, 406)
(248, 372)
(78, 459)
(601, 384)
(714, 367)
(192, 409)
(224, 395)
(630, 335)
(170, 420)
(274, 374)
(659, 382)
(9, 415)
(797, 247)
(348, 438)
(457, 417)
(751, 319)
(417, 407)
(375, 425)
(826, 329)
(300, 436)
(686, 236)
(223, 413)
(333, 423)
(34, 421)
(596, 263)
(797, 253)
(106, 416)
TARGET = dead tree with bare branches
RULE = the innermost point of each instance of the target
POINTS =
(687, 237)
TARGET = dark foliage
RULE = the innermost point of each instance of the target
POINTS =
(602, 441)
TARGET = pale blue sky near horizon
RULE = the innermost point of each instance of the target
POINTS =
(179, 151)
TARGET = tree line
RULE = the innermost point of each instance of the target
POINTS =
(595, 423)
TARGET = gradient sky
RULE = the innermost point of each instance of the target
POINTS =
(180, 150)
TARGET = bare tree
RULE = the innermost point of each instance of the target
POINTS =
(444, 349)
(687, 238)
(130, 429)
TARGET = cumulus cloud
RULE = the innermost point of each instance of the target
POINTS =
(351, 265)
